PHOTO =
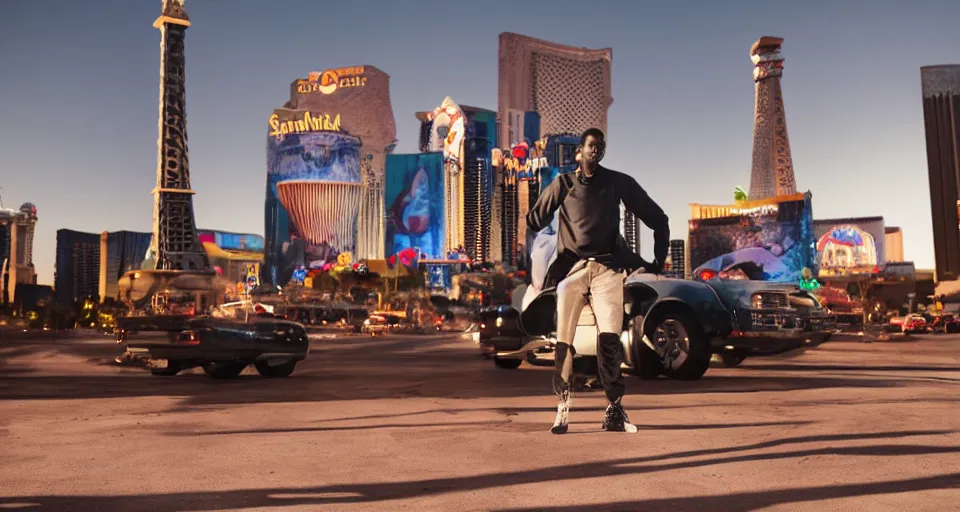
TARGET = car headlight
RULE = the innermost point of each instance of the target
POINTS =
(499, 321)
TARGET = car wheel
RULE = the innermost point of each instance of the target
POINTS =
(732, 358)
(276, 371)
(223, 370)
(646, 363)
(507, 364)
(680, 343)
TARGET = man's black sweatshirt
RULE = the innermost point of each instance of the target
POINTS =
(589, 224)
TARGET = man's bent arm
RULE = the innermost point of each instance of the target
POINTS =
(542, 212)
(638, 202)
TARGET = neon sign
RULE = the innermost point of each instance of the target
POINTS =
(767, 209)
(327, 82)
(310, 123)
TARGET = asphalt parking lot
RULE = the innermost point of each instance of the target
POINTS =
(424, 423)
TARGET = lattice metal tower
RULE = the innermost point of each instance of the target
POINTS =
(175, 245)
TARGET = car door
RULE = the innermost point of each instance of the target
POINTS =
(280, 337)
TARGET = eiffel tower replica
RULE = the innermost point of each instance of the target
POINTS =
(176, 260)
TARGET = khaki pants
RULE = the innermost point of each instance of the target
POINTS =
(603, 288)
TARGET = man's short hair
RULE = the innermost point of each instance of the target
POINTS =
(597, 133)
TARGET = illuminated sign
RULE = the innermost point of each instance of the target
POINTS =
(309, 123)
(767, 209)
(327, 82)
(847, 249)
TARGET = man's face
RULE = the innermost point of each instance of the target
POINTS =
(592, 150)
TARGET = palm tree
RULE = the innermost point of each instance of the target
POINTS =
(739, 194)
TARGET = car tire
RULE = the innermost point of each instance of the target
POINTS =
(732, 358)
(507, 364)
(277, 371)
(223, 370)
(689, 334)
(646, 363)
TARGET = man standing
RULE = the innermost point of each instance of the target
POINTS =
(591, 264)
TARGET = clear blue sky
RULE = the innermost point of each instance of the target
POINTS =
(79, 89)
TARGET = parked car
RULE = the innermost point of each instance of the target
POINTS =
(223, 347)
(912, 323)
(671, 326)
(378, 324)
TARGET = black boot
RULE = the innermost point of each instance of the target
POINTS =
(616, 419)
(565, 392)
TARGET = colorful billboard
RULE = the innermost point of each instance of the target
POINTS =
(762, 242)
(440, 277)
(232, 242)
(849, 246)
(414, 204)
(322, 194)
(314, 184)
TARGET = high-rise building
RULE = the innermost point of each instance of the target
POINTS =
(772, 172)
(544, 89)
(893, 244)
(508, 206)
(77, 274)
(941, 112)
(327, 149)
(678, 260)
(631, 229)
(16, 249)
(120, 252)
(481, 138)
(569, 87)
(26, 224)
(7, 268)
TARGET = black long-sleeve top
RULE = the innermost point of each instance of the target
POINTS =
(589, 224)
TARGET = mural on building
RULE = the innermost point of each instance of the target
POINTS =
(326, 157)
(415, 204)
(315, 179)
(766, 242)
(445, 131)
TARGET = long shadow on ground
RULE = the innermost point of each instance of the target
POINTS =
(375, 492)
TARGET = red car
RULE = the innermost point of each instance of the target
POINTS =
(910, 323)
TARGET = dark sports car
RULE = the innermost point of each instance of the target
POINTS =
(222, 347)
(671, 326)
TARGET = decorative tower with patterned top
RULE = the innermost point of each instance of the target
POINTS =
(772, 172)
(175, 244)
